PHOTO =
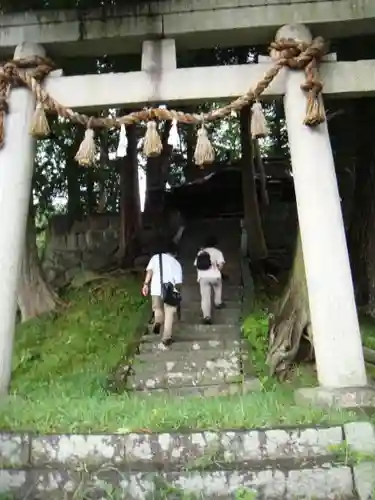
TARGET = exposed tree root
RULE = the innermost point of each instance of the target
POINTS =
(35, 295)
(290, 335)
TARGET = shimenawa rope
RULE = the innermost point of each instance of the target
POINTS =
(285, 53)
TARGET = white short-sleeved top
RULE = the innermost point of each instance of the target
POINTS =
(172, 272)
(217, 258)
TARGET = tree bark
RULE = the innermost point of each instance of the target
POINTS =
(362, 226)
(290, 335)
(103, 161)
(190, 168)
(130, 212)
(74, 207)
(157, 171)
(253, 223)
(262, 174)
(35, 296)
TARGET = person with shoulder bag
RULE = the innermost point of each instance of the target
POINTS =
(209, 263)
(163, 281)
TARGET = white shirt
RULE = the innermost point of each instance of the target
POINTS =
(217, 258)
(172, 272)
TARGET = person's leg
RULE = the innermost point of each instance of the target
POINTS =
(205, 288)
(157, 307)
(217, 285)
(169, 315)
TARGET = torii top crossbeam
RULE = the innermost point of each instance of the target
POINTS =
(192, 24)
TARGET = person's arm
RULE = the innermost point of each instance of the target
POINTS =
(178, 277)
(220, 262)
(148, 277)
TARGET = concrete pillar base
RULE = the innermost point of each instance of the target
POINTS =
(348, 398)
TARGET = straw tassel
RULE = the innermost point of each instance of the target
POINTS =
(315, 113)
(174, 136)
(259, 126)
(86, 153)
(122, 147)
(204, 152)
(152, 145)
(39, 126)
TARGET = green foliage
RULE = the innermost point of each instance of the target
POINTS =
(73, 352)
(368, 331)
(255, 331)
(62, 362)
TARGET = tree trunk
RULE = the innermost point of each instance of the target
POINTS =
(35, 296)
(130, 219)
(190, 168)
(90, 195)
(253, 223)
(362, 226)
(262, 174)
(157, 171)
(74, 207)
(103, 162)
(290, 335)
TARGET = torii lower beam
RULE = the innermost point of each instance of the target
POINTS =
(193, 85)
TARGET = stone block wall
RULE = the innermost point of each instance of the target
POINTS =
(286, 463)
(90, 243)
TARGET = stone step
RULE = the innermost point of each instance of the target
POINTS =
(279, 463)
(184, 370)
(153, 377)
(220, 317)
(190, 361)
(195, 306)
(230, 292)
(152, 344)
(225, 388)
(196, 332)
(147, 451)
(189, 356)
(318, 482)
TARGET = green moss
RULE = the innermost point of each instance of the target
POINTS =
(72, 352)
(367, 326)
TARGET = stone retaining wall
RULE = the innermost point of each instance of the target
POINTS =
(90, 244)
(287, 463)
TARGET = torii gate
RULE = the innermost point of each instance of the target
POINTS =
(337, 340)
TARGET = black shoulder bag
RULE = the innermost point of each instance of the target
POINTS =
(169, 293)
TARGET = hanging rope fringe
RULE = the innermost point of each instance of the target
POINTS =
(174, 136)
(259, 126)
(86, 153)
(204, 152)
(315, 114)
(122, 147)
(39, 126)
(152, 145)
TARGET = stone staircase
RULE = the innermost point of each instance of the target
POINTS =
(204, 359)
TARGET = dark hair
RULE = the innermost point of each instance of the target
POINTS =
(171, 248)
(211, 241)
(164, 245)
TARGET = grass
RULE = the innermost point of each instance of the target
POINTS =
(367, 325)
(61, 366)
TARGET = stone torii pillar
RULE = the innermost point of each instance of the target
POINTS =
(16, 171)
(336, 334)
